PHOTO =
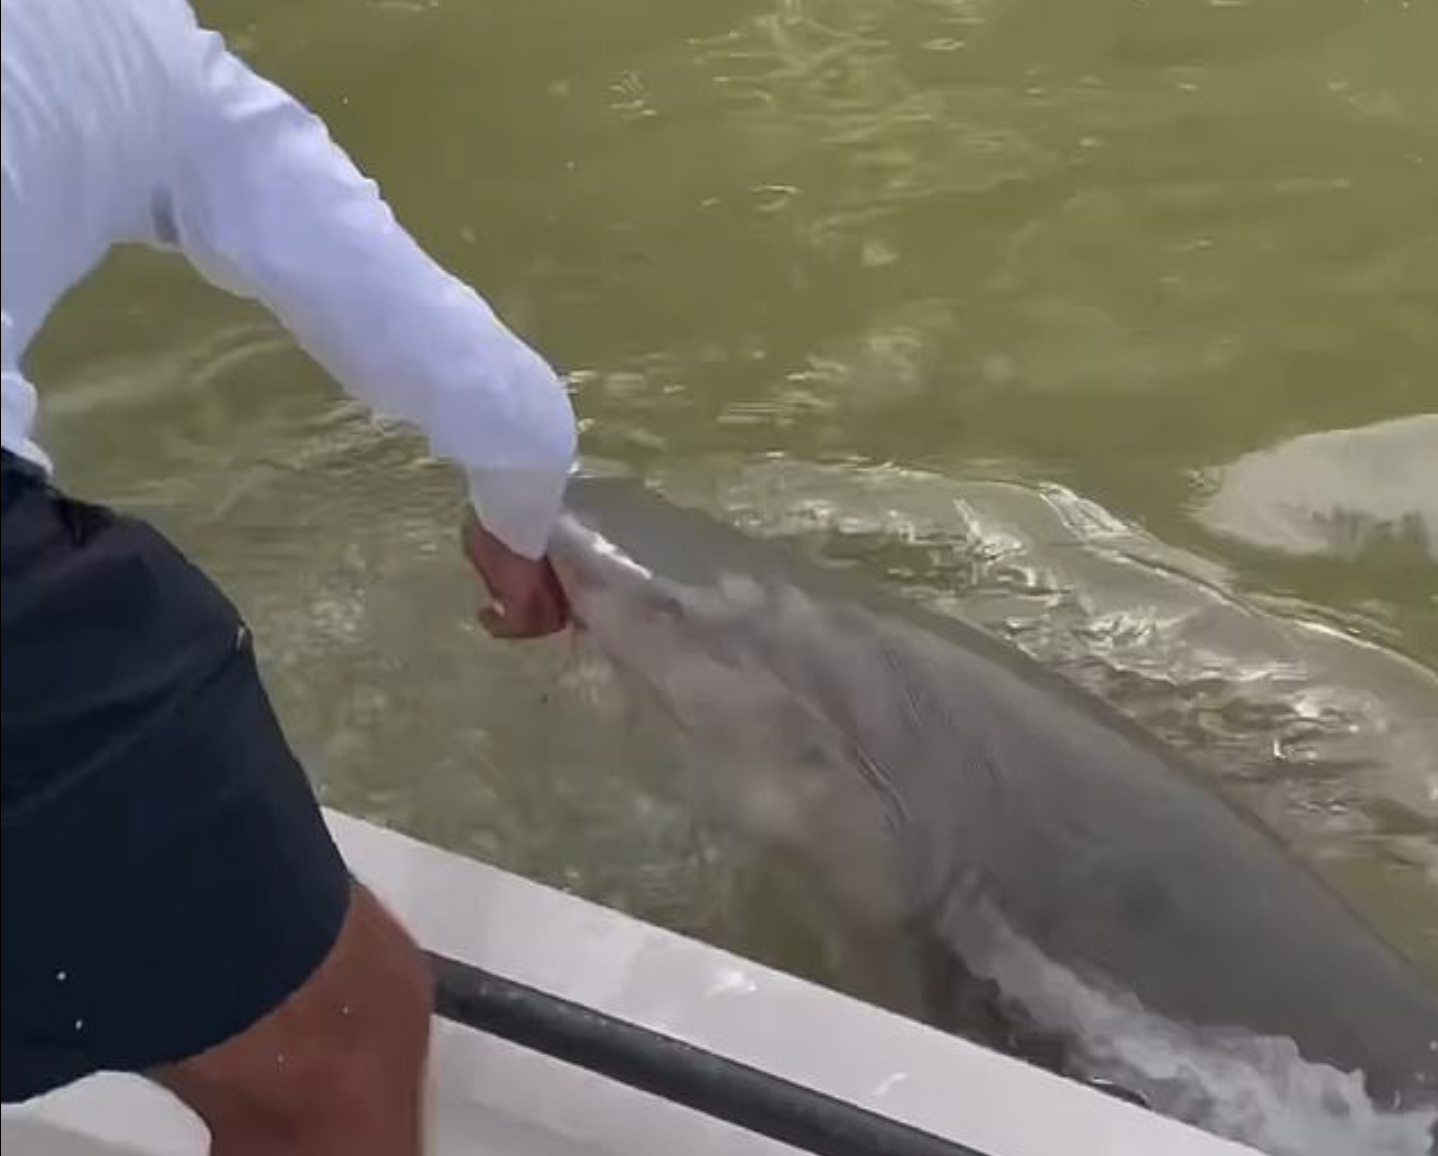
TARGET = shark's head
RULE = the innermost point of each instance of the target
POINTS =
(776, 696)
(698, 651)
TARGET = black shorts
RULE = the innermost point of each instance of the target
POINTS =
(167, 875)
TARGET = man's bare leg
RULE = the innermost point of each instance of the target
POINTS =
(339, 1068)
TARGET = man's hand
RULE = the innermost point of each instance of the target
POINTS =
(528, 601)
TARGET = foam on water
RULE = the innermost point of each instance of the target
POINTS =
(1252, 1089)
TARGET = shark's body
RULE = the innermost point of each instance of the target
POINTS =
(961, 789)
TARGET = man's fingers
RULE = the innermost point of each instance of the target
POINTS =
(497, 624)
(556, 599)
(547, 618)
(528, 598)
(537, 619)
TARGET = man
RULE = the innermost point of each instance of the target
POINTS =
(173, 905)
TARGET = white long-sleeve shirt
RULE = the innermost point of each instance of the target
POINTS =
(124, 121)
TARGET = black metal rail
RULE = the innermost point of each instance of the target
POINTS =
(661, 1065)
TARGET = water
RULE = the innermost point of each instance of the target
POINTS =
(764, 688)
(1256, 1090)
(1027, 311)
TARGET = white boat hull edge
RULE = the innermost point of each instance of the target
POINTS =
(491, 1098)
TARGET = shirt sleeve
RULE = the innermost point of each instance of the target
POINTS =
(265, 205)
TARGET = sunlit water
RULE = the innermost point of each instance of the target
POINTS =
(1108, 325)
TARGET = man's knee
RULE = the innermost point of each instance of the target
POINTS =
(374, 995)
(340, 1065)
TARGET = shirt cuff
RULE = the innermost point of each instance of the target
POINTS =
(519, 506)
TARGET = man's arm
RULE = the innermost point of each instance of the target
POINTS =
(264, 204)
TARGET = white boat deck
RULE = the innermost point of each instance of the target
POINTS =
(492, 1098)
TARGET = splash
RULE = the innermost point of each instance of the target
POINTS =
(1255, 1090)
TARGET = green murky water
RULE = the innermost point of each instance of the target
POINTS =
(1110, 324)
